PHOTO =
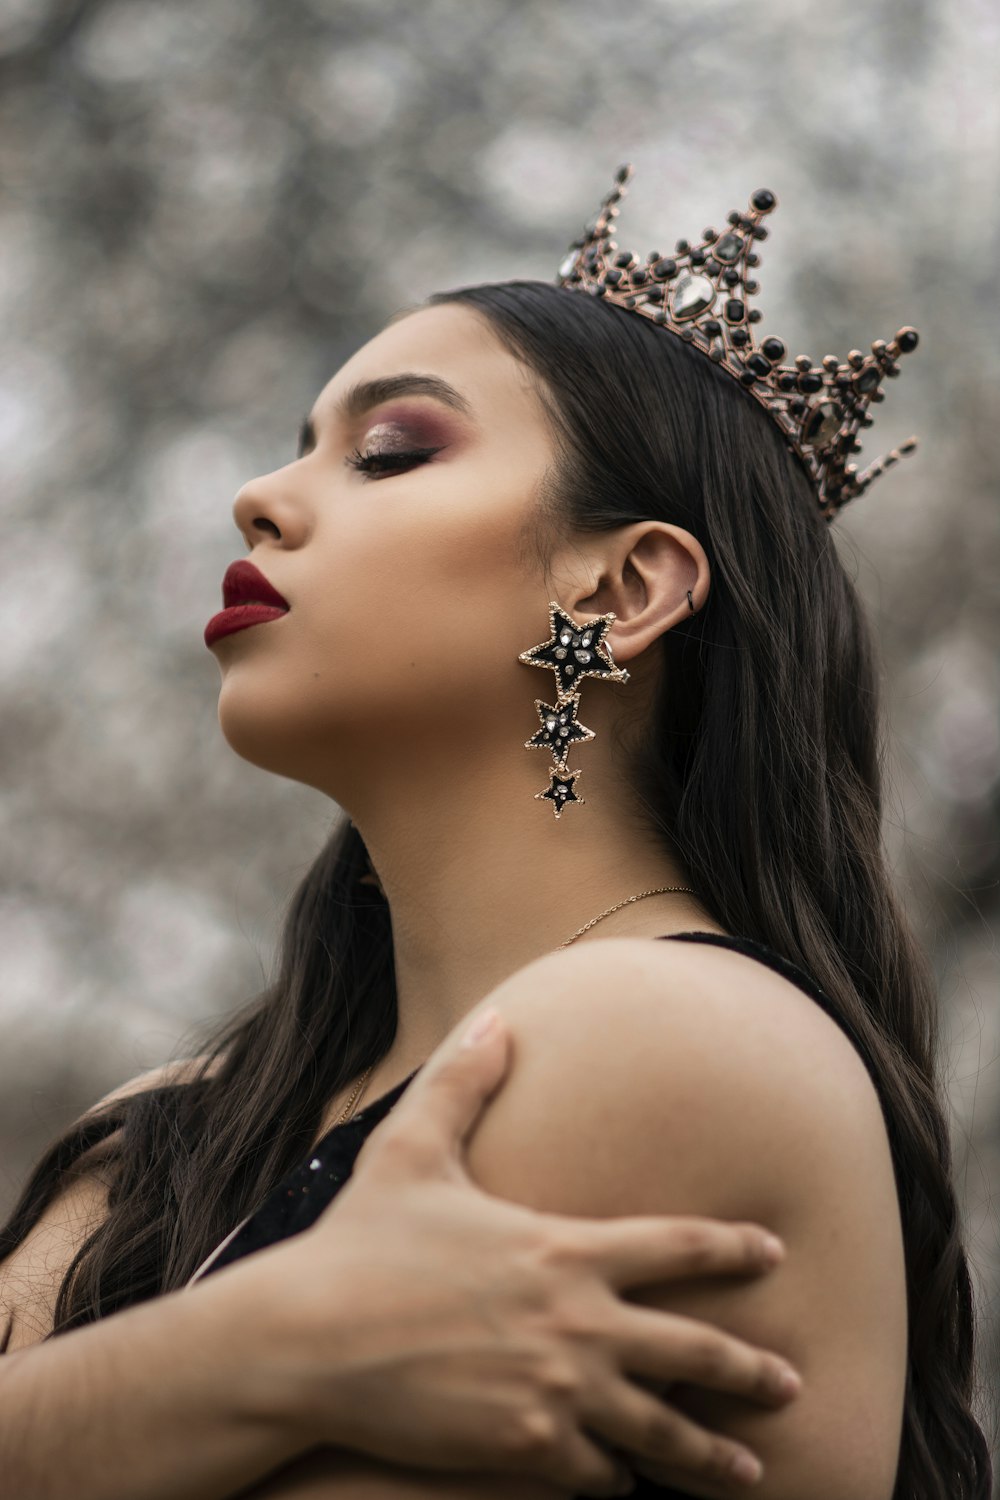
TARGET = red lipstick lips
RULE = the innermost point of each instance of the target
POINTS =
(249, 600)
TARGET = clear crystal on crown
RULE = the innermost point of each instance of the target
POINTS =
(692, 295)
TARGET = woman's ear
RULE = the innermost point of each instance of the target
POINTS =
(653, 576)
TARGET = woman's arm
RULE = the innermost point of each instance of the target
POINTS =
(667, 1078)
(166, 1399)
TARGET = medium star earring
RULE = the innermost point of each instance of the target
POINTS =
(572, 652)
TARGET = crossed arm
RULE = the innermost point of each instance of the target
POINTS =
(695, 1085)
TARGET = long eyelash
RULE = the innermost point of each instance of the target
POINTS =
(385, 463)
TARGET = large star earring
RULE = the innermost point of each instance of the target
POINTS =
(572, 652)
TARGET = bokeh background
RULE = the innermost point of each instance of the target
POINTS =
(207, 205)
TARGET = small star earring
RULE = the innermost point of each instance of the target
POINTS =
(572, 652)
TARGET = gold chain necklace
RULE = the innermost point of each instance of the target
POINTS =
(358, 1090)
(658, 891)
(359, 1087)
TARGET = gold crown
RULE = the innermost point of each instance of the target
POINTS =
(702, 293)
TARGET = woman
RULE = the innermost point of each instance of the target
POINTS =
(509, 473)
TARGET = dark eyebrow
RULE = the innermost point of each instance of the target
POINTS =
(359, 398)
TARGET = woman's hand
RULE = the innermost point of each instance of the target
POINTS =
(436, 1326)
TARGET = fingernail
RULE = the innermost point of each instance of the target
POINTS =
(747, 1467)
(483, 1026)
(774, 1249)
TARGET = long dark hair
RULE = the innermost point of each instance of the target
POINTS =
(760, 772)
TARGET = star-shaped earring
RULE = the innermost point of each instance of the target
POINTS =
(560, 727)
(560, 790)
(575, 651)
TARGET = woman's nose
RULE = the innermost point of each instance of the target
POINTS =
(265, 507)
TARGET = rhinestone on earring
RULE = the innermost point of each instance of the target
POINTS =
(573, 652)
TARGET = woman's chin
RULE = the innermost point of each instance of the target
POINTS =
(266, 740)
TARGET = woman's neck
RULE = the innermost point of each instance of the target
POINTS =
(474, 901)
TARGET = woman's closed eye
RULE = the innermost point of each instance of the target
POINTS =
(387, 462)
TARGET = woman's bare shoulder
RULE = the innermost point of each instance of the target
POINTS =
(658, 1022)
(653, 1077)
(654, 1025)
(31, 1275)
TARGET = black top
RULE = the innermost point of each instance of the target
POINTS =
(302, 1196)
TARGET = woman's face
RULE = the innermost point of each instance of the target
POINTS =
(408, 590)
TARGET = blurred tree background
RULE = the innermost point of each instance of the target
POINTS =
(207, 205)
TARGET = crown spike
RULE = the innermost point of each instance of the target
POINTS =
(701, 292)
